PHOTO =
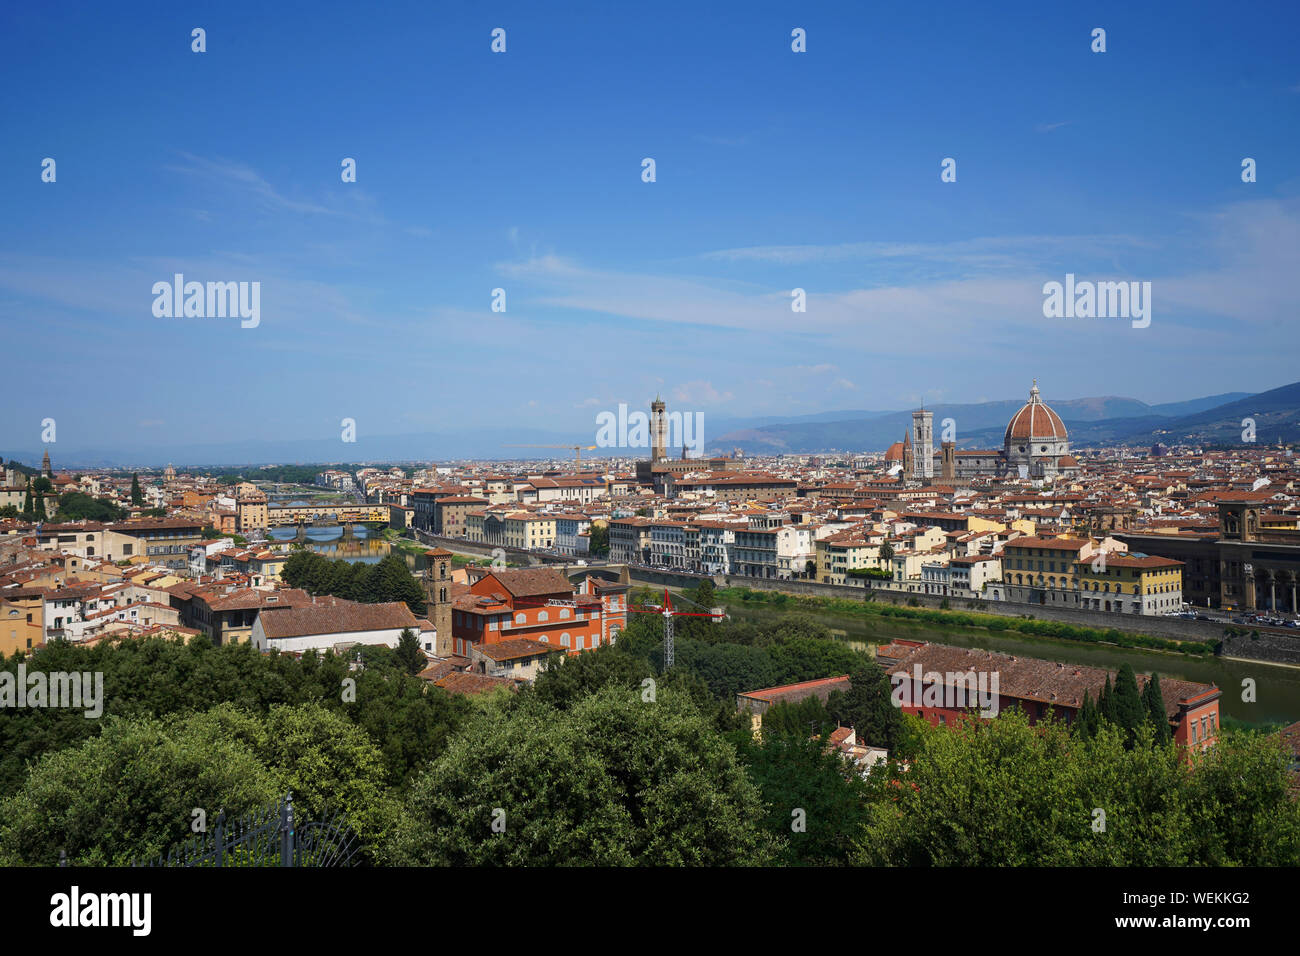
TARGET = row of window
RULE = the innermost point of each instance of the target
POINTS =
(1104, 587)
(589, 642)
(1208, 725)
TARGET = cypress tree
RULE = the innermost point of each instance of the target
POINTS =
(869, 707)
(40, 508)
(27, 502)
(1106, 703)
(1085, 724)
(408, 652)
(1154, 701)
(137, 496)
(1128, 702)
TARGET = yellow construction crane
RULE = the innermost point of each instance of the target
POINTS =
(577, 452)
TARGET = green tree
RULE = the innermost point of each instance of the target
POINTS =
(327, 763)
(1088, 719)
(613, 781)
(868, 707)
(1153, 702)
(1005, 793)
(1106, 703)
(565, 679)
(1244, 807)
(137, 496)
(804, 719)
(704, 594)
(409, 655)
(78, 506)
(1129, 710)
(815, 805)
(129, 794)
(598, 542)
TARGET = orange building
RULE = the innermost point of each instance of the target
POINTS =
(539, 604)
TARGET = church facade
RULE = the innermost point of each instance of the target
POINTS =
(1035, 446)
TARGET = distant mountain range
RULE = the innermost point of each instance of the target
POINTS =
(1215, 419)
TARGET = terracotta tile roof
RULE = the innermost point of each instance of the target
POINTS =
(1030, 678)
(533, 582)
(462, 682)
(335, 619)
(792, 693)
(516, 648)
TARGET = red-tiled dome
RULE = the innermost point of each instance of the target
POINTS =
(895, 452)
(1035, 421)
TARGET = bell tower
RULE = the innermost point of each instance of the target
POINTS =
(437, 590)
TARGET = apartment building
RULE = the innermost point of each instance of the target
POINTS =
(539, 604)
(630, 540)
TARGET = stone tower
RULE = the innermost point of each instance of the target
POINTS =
(923, 450)
(948, 460)
(907, 456)
(45, 464)
(658, 431)
(437, 590)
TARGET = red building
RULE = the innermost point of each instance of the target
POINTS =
(930, 680)
(539, 604)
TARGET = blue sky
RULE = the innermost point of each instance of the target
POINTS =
(522, 170)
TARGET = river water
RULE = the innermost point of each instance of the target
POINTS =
(365, 546)
(1277, 689)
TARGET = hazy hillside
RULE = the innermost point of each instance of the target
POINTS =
(1091, 421)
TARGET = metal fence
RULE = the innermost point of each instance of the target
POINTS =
(270, 836)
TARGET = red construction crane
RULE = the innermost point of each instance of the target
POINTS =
(667, 611)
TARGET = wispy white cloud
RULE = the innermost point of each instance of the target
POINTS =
(246, 178)
(700, 393)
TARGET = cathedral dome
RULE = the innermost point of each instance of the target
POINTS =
(1035, 422)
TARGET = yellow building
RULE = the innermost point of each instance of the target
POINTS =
(250, 508)
(523, 530)
(1130, 583)
(22, 620)
(837, 554)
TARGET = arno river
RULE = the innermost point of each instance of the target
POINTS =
(1277, 696)
(328, 542)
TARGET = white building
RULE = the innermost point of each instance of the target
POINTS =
(336, 625)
